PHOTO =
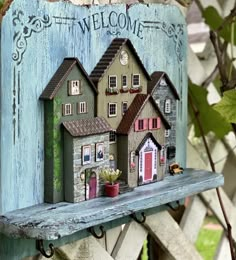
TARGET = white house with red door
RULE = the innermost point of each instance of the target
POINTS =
(141, 136)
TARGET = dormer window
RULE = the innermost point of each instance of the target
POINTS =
(74, 87)
(113, 81)
(168, 106)
(136, 80)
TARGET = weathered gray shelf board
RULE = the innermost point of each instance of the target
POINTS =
(53, 221)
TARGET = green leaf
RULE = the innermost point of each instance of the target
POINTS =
(214, 20)
(210, 119)
(227, 106)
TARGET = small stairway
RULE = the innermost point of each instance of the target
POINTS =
(124, 187)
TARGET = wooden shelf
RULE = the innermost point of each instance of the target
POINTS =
(53, 221)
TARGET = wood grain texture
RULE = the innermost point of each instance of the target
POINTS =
(168, 234)
(35, 38)
(211, 200)
(130, 242)
(193, 218)
(53, 221)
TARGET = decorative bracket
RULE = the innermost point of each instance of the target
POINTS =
(40, 248)
(138, 220)
(92, 231)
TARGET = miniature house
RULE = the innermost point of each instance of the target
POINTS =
(118, 76)
(70, 95)
(132, 128)
(86, 151)
(141, 134)
(166, 97)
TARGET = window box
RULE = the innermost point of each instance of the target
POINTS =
(136, 89)
(124, 90)
(112, 91)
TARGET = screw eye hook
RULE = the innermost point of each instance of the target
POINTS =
(40, 248)
(140, 221)
(92, 231)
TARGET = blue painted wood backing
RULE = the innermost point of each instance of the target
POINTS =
(53, 221)
(35, 37)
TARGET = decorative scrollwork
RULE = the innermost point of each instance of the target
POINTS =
(172, 31)
(33, 25)
(114, 33)
(140, 221)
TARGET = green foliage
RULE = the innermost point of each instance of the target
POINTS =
(208, 239)
(110, 175)
(210, 119)
(214, 20)
(226, 107)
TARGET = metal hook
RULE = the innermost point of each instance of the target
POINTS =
(170, 206)
(92, 231)
(40, 248)
(133, 215)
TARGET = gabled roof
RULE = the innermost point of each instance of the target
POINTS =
(133, 112)
(155, 78)
(147, 136)
(60, 76)
(85, 127)
(109, 56)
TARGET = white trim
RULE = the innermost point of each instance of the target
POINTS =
(74, 90)
(168, 106)
(84, 106)
(67, 109)
(109, 77)
(122, 110)
(109, 114)
(124, 86)
(135, 86)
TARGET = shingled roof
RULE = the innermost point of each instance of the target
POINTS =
(155, 78)
(85, 127)
(60, 76)
(133, 112)
(110, 54)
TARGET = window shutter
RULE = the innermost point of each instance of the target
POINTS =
(136, 126)
(145, 124)
(158, 122)
(150, 123)
(63, 109)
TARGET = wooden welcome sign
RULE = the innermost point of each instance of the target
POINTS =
(86, 92)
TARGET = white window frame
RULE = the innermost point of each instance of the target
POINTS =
(124, 103)
(67, 109)
(135, 85)
(109, 110)
(168, 106)
(122, 85)
(163, 82)
(114, 134)
(83, 108)
(167, 132)
(109, 81)
(70, 90)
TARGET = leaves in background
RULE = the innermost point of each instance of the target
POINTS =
(210, 119)
(214, 20)
(227, 106)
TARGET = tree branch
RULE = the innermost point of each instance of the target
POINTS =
(229, 227)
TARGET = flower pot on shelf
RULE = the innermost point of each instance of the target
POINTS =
(110, 177)
(112, 190)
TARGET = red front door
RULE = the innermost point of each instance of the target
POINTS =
(93, 187)
(148, 166)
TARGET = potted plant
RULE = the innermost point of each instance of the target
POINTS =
(110, 177)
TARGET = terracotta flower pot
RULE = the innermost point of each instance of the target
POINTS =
(111, 190)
